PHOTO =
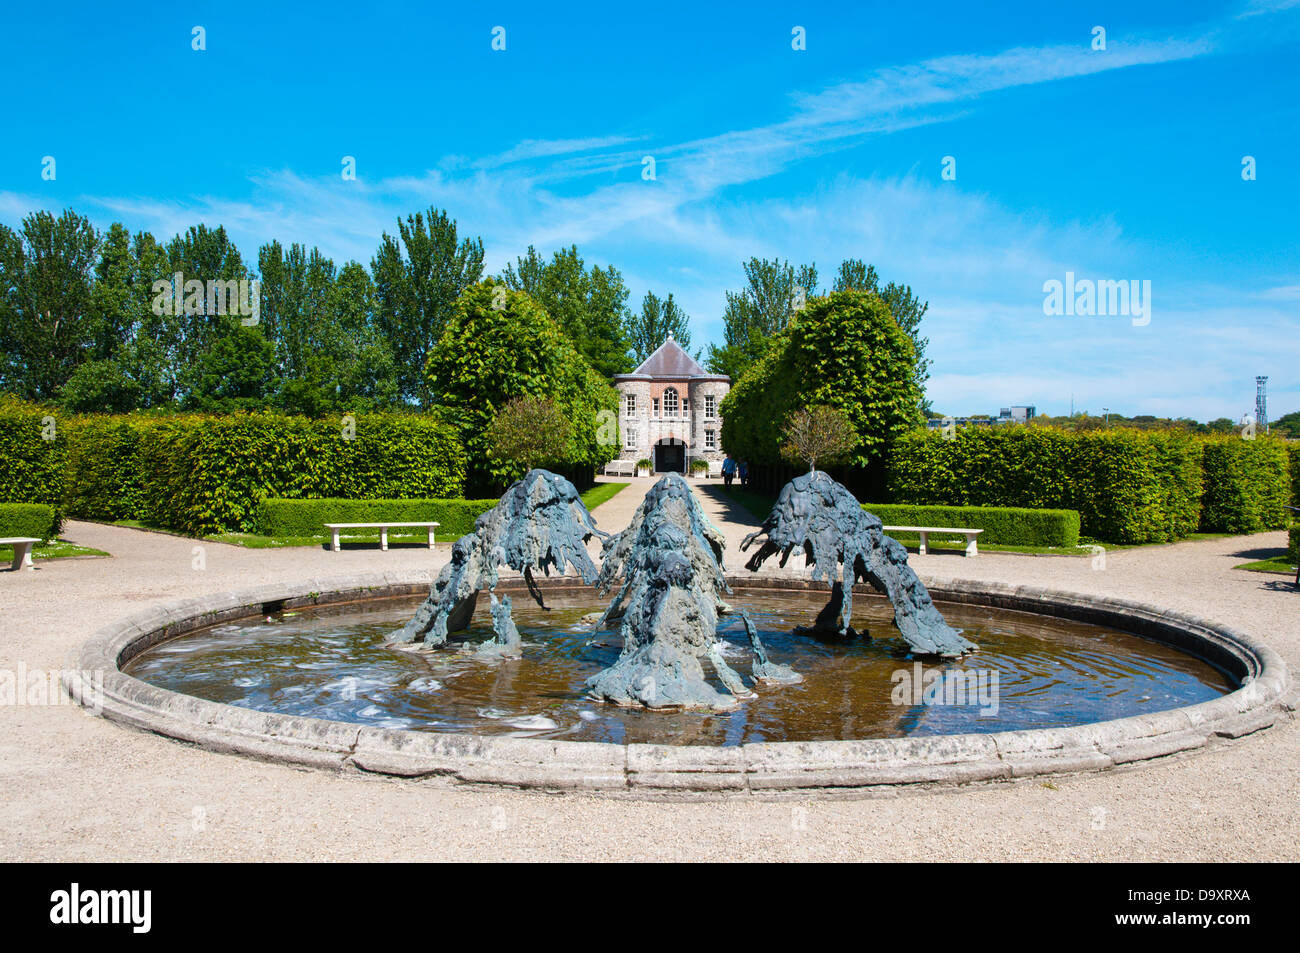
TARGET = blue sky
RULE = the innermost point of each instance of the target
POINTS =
(1116, 164)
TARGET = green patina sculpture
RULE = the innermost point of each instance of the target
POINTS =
(670, 563)
(844, 545)
(540, 523)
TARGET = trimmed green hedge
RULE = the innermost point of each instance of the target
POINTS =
(1293, 543)
(1293, 452)
(104, 480)
(1247, 485)
(33, 456)
(1128, 486)
(297, 518)
(204, 474)
(27, 519)
(1005, 525)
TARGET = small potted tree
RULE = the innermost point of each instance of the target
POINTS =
(700, 468)
(643, 467)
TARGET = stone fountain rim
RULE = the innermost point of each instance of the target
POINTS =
(1266, 695)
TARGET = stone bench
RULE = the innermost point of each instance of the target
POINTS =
(620, 468)
(383, 531)
(22, 551)
(972, 549)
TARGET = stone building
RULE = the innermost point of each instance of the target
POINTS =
(668, 410)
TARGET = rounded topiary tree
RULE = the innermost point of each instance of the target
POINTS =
(500, 345)
(842, 351)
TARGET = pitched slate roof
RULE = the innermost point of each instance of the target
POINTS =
(670, 360)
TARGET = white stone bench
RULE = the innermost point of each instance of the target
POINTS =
(383, 531)
(972, 549)
(620, 468)
(22, 551)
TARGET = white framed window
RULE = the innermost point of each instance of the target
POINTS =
(655, 402)
(629, 438)
(670, 402)
(710, 406)
(710, 440)
(631, 405)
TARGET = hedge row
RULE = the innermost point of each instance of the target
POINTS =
(1128, 486)
(104, 480)
(27, 519)
(1293, 451)
(203, 474)
(1005, 525)
(1293, 543)
(283, 518)
(1247, 485)
(33, 456)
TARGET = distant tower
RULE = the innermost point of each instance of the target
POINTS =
(1261, 402)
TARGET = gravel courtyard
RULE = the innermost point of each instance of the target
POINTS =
(77, 787)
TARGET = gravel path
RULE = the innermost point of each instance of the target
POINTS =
(79, 788)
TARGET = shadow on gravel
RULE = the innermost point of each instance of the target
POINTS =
(1269, 552)
(732, 509)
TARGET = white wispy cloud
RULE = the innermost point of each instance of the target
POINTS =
(549, 148)
(980, 264)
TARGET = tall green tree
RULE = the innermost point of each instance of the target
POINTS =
(906, 307)
(590, 306)
(418, 277)
(501, 345)
(102, 381)
(201, 256)
(48, 319)
(367, 367)
(296, 294)
(152, 354)
(774, 291)
(236, 373)
(659, 319)
(351, 366)
(101, 387)
(112, 295)
(845, 351)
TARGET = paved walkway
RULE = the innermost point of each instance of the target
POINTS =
(79, 788)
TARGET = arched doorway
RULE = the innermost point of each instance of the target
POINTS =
(670, 456)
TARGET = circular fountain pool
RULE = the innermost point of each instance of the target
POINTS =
(1084, 683)
(1031, 672)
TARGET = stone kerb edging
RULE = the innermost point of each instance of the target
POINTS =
(1265, 696)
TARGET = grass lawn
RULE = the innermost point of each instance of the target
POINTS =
(55, 549)
(1282, 564)
(592, 498)
(601, 493)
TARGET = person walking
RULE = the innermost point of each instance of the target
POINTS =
(744, 473)
(728, 470)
